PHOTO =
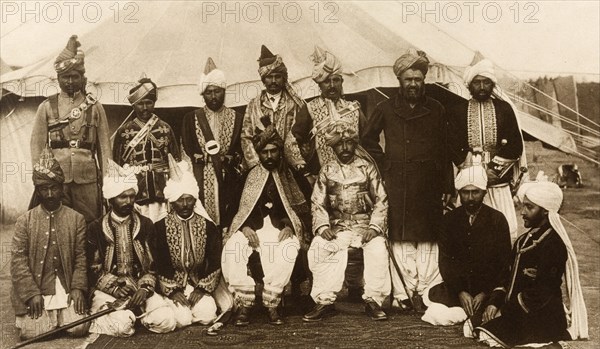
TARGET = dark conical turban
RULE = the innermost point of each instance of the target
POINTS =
(267, 136)
(71, 58)
(47, 169)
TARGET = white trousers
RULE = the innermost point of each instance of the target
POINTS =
(157, 317)
(500, 198)
(277, 259)
(203, 312)
(418, 263)
(327, 261)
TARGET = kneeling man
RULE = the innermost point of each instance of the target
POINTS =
(266, 222)
(188, 252)
(349, 208)
(474, 249)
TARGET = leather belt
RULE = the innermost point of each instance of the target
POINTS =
(71, 144)
(351, 217)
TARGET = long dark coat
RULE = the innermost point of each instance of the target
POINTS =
(415, 166)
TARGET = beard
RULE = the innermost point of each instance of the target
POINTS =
(412, 94)
(270, 164)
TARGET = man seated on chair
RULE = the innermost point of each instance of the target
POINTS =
(267, 223)
(349, 208)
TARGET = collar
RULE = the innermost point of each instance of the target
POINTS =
(184, 219)
(51, 212)
(274, 99)
(118, 219)
(64, 95)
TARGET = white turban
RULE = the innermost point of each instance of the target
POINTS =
(473, 175)
(484, 68)
(212, 77)
(549, 196)
(117, 181)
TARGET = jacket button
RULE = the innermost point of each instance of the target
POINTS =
(408, 141)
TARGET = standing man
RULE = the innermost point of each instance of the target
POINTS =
(349, 208)
(474, 251)
(326, 109)
(211, 135)
(278, 103)
(188, 253)
(74, 125)
(144, 143)
(121, 262)
(527, 307)
(48, 267)
(266, 223)
(488, 126)
(416, 172)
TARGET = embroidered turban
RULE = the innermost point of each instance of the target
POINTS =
(146, 89)
(339, 131)
(326, 64)
(71, 58)
(267, 136)
(269, 63)
(212, 76)
(47, 170)
(117, 181)
(413, 59)
(483, 68)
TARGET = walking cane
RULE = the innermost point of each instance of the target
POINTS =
(118, 304)
(395, 263)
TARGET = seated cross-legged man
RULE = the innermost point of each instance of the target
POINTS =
(349, 207)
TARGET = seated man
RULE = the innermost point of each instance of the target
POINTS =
(474, 249)
(528, 307)
(121, 262)
(48, 267)
(266, 222)
(349, 208)
(188, 252)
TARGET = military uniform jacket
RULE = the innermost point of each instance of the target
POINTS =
(415, 166)
(29, 250)
(151, 151)
(89, 139)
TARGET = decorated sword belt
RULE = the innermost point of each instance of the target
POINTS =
(160, 167)
(75, 113)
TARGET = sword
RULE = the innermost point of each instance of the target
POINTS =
(118, 304)
(395, 263)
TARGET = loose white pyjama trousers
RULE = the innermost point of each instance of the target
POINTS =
(418, 263)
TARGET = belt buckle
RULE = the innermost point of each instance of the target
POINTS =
(74, 143)
(89, 99)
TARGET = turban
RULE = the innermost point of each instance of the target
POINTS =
(549, 196)
(182, 181)
(212, 76)
(71, 58)
(146, 89)
(267, 136)
(326, 64)
(413, 59)
(269, 63)
(339, 131)
(47, 170)
(474, 175)
(484, 68)
(117, 181)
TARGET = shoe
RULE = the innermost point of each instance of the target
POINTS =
(418, 305)
(402, 306)
(242, 316)
(274, 317)
(374, 310)
(319, 312)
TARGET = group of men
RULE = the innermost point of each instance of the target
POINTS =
(290, 187)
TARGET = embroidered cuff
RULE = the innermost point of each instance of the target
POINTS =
(106, 283)
(209, 283)
(320, 229)
(147, 280)
(166, 286)
(377, 228)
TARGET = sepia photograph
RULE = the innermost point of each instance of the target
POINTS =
(299, 174)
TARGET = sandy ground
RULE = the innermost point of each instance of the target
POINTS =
(581, 212)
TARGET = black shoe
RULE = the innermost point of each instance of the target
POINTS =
(418, 305)
(319, 312)
(242, 316)
(374, 310)
(274, 317)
